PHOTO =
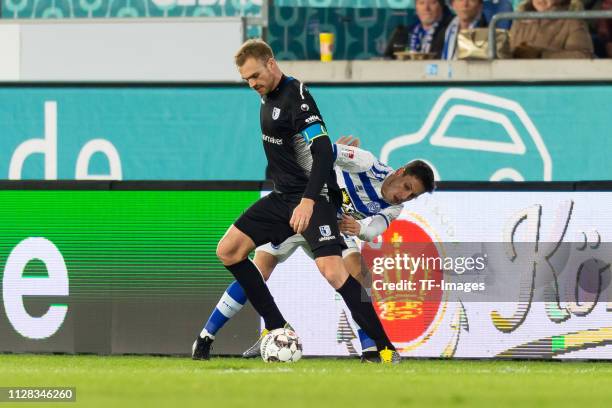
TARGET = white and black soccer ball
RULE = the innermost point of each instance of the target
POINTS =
(281, 345)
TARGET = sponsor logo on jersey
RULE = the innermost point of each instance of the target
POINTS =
(275, 113)
(373, 206)
(348, 207)
(272, 140)
(312, 118)
(348, 153)
(347, 204)
(327, 238)
(325, 230)
(305, 107)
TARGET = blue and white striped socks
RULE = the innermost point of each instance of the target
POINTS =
(367, 344)
(230, 303)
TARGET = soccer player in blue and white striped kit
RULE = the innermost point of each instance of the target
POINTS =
(372, 197)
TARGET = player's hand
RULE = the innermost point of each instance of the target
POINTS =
(349, 140)
(349, 226)
(301, 215)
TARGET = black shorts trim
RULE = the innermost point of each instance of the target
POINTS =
(327, 250)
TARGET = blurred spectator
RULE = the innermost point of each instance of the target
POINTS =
(604, 30)
(563, 38)
(469, 15)
(427, 35)
(492, 7)
(574, 5)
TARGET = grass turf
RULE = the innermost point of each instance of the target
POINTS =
(128, 381)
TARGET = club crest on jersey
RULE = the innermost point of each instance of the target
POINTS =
(373, 207)
(275, 113)
(325, 230)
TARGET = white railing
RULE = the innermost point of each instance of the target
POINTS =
(536, 15)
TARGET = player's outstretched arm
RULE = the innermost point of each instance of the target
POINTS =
(370, 227)
(353, 159)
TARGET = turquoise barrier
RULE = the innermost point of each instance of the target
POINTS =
(393, 4)
(535, 132)
(127, 8)
(157, 133)
(170, 8)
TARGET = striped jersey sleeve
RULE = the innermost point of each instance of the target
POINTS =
(353, 159)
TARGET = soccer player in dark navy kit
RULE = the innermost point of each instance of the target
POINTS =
(304, 201)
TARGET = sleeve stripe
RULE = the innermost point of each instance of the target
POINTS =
(317, 136)
(335, 150)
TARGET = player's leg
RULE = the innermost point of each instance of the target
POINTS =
(326, 243)
(355, 266)
(269, 256)
(265, 221)
(231, 302)
(234, 298)
(266, 262)
(355, 297)
(233, 251)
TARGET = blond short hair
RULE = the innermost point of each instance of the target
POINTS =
(253, 48)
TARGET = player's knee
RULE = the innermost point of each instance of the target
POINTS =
(227, 254)
(265, 263)
(358, 275)
(355, 266)
(266, 273)
(335, 278)
(332, 270)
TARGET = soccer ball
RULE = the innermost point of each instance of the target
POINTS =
(281, 345)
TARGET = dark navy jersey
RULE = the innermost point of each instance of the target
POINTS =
(290, 121)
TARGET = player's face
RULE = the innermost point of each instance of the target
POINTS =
(400, 188)
(258, 75)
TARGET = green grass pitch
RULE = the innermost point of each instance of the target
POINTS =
(127, 381)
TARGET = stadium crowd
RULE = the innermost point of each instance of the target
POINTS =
(435, 33)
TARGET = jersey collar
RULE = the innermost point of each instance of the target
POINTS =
(283, 81)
